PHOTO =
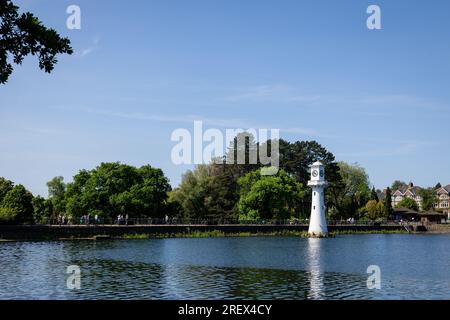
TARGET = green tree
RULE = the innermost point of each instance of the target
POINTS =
(373, 194)
(115, 188)
(193, 194)
(429, 198)
(8, 215)
(75, 205)
(5, 187)
(408, 203)
(245, 147)
(375, 210)
(355, 191)
(56, 193)
(19, 200)
(388, 203)
(222, 201)
(23, 34)
(269, 197)
(397, 184)
(56, 187)
(77, 197)
(147, 197)
(381, 209)
(211, 190)
(296, 158)
(174, 208)
(371, 209)
(39, 212)
(49, 212)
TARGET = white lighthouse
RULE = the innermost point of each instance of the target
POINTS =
(318, 223)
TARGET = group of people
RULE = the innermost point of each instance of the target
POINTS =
(351, 220)
(88, 219)
(121, 219)
(84, 219)
(62, 220)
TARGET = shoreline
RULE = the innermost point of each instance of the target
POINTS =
(104, 232)
(55, 232)
(295, 234)
(211, 234)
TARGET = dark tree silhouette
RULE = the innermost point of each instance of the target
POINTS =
(388, 203)
(24, 34)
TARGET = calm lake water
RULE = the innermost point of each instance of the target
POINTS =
(412, 267)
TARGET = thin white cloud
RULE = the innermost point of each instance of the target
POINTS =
(217, 122)
(398, 148)
(43, 131)
(94, 45)
(401, 99)
(85, 52)
(272, 93)
(287, 94)
(302, 131)
(384, 102)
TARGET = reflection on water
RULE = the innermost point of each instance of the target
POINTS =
(123, 280)
(229, 268)
(314, 268)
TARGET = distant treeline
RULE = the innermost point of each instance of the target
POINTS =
(218, 191)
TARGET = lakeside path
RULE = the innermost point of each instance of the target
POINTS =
(56, 232)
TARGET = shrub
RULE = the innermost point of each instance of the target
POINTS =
(408, 203)
(19, 200)
(8, 215)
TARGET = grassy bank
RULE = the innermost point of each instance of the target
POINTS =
(350, 232)
(215, 234)
(285, 233)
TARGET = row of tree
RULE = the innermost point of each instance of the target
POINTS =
(217, 191)
(222, 191)
(16, 203)
(109, 190)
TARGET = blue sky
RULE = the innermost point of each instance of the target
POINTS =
(142, 69)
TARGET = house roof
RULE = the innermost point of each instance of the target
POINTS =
(445, 189)
(432, 214)
(412, 190)
(405, 211)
